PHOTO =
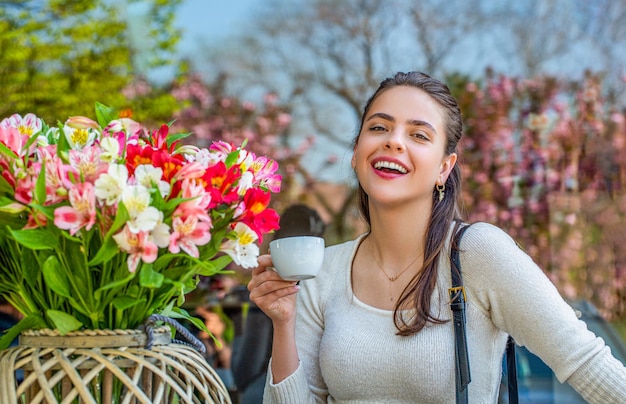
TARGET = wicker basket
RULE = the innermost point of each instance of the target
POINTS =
(106, 366)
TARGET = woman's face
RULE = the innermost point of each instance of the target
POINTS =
(399, 155)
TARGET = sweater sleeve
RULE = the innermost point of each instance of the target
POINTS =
(520, 300)
(306, 384)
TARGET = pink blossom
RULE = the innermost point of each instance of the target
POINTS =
(139, 246)
(198, 203)
(81, 213)
(87, 162)
(188, 234)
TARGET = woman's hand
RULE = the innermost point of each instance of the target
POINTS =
(275, 296)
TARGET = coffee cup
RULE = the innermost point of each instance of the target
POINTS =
(297, 258)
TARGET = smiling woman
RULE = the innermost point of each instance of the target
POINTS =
(376, 324)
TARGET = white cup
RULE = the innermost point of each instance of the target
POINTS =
(297, 258)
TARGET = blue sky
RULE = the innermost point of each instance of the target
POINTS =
(210, 21)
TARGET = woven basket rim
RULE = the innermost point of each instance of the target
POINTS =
(50, 332)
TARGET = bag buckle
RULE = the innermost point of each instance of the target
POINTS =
(454, 292)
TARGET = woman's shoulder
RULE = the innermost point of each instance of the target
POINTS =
(483, 234)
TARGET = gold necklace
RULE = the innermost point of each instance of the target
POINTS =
(396, 276)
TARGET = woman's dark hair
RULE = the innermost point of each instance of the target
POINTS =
(418, 292)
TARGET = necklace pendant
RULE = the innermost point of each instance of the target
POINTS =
(393, 278)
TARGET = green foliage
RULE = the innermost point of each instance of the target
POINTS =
(61, 56)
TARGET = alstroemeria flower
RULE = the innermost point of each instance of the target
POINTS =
(127, 125)
(219, 182)
(111, 149)
(253, 212)
(198, 203)
(142, 216)
(161, 232)
(188, 234)
(139, 246)
(109, 186)
(242, 249)
(81, 213)
(79, 138)
(29, 125)
(265, 173)
(88, 163)
(14, 140)
(245, 182)
(150, 176)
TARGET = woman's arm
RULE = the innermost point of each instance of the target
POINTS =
(277, 299)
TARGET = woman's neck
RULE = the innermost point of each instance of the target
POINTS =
(397, 234)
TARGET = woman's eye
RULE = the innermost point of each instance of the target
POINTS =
(377, 128)
(420, 135)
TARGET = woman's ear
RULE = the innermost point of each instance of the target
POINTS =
(447, 165)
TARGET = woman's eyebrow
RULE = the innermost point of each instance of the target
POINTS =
(413, 122)
(417, 122)
(381, 115)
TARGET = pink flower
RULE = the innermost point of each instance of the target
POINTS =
(87, 163)
(198, 203)
(81, 213)
(188, 234)
(28, 125)
(13, 139)
(139, 246)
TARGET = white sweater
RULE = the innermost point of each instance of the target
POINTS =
(349, 352)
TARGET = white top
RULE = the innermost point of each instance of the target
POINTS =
(349, 352)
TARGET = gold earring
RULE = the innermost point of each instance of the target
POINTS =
(441, 188)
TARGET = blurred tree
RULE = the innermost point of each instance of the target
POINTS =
(60, 57)
(203, 109)
(324, 57)
(545, 159)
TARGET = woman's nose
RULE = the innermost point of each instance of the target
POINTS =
(394, 141)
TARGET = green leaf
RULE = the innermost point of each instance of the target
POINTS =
(48, 211)
(30, 268)
(231, 158)
(63, 321)
(115, 284)
(104, 114)
(120, 219)
(40, 185)
(35, 239)
(7, 152)
(148, 278)
(177, 312)
(5, 187)
(55, 277)
(32, 321)
(173, 138)
(214, 266)
(108, 250)
(126, 302)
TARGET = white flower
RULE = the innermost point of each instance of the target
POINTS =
(206, 158)
(143, 217)
(110, 149)
(245, 182)
(79, 138)
(149, 176)
(161, 234)
(242, 249)
(109, 186)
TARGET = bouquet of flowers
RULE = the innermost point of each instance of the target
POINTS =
(103, 223)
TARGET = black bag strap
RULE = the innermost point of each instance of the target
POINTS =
(511, 371)
(457, 303)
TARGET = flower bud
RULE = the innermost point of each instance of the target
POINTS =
(81, 122)
(12, 208)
